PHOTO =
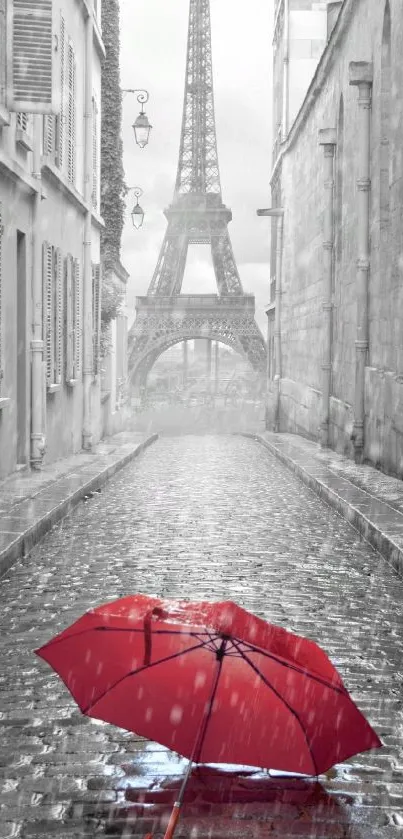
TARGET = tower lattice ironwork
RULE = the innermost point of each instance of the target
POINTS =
(197, 215)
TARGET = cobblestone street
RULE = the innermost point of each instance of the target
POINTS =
(196, 517)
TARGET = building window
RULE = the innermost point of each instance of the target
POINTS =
(73, 331)
(52, 313)
(59, 132)
(30, 37)
(386, 106)
(95, 154)
(96, 317)
(23, 121)
(71, 113)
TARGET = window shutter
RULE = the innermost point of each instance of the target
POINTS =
(48, 315)
(58, 316)
(22, 121)
(31, 56)
(61, 121)
(49, 139)
(71, 114)
(77, 318)
(94, 153)
(1, 319)
(96, 316)
(69, 317)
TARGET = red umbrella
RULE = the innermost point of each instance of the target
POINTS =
(212, 682)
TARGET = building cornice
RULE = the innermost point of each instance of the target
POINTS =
(15, 172)
(53, 173)
(121, 272)
(315, 88)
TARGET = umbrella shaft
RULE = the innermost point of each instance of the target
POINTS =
(173, 821)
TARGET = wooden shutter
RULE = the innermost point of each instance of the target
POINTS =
(71, 114)
(96, 316)
(77, 318)
(30, 57)
(48, 311)
(22, 121)
(69, 317)
(58, 297)
(94, 153)
(1, 319)
(60, 140)
(49, 136)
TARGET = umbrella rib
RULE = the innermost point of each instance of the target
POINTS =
(140, 670)
(71, 635)
(294, 667)
(284, 701)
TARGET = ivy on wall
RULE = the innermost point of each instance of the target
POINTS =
(113, 188)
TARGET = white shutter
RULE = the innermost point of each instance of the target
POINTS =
(1, 319)
(61, 121)
(69, 317)
(49, 138)
(22, 121)
(29, 74)
(71, 114)
(77, 319)
(94, 153)
(48, 313)
(96, 316)
(58, 297)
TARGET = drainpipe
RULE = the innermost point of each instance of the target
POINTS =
(278, 213)
(37, 448)
(87, 283)
(327, 139)
(361, 75)
(286, 70)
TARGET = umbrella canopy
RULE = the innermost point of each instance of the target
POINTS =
(212, 682)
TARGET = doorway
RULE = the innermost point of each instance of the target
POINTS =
(21, 333)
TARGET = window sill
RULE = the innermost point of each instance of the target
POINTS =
(23, 139)
(53, 388)
(4, 402)
(72, 382)
(58, 178)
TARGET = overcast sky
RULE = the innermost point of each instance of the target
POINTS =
(153, 56)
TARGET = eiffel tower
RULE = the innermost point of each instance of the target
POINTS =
(197, 215)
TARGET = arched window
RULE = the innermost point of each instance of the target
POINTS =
(386, 107)
(339, 186)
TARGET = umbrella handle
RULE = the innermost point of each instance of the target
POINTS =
(173, 821)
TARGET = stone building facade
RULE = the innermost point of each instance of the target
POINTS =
(51, 402)
(335, 364)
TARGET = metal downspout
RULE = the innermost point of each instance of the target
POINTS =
(361, 75)
(327, 139)
(37, 447)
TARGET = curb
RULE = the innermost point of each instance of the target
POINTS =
(379, 540)
(24, 542)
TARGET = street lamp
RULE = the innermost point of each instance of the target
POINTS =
(141, 125)
(137, 212)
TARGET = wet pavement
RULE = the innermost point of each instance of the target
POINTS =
(198, 517)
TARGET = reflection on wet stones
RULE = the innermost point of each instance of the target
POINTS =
(198, 517)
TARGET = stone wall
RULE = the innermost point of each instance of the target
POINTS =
(360, 34)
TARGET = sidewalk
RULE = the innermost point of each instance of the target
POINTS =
(32, 502)
(371, 501)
